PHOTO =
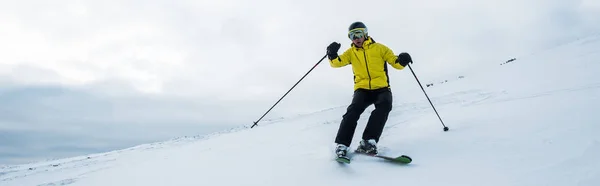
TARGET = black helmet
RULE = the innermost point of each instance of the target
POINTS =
(357, 24)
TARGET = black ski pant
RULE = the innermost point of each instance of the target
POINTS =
(381, 98)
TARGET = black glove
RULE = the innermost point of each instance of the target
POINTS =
(332, 50)
(404, 58)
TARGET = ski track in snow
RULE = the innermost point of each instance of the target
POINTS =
(508, 126)
(549, 93)
(61, 182)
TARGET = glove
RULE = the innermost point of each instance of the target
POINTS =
(332, 50)
(404, 58)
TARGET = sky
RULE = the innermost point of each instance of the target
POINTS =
(89, 76)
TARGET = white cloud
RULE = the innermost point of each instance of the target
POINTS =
(261, 48)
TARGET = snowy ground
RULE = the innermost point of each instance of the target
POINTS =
(529, 122)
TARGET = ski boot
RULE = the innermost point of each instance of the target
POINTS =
(341, 152)
(367, 147)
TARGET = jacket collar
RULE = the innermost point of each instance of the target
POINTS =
(366, 44)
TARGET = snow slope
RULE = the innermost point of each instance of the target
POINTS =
(529, 122)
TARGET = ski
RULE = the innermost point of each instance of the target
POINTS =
(343, 160)
(403, 159)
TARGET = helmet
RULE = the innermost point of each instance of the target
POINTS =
(357, 30)
(357, 24)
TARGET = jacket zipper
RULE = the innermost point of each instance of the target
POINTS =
(367, 65)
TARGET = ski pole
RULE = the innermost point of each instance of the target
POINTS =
(256, 122)
(413, 72)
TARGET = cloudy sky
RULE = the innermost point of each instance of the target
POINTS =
(85, 76)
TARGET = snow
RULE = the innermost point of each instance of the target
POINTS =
(529, 122)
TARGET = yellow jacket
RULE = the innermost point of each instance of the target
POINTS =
(368, 64)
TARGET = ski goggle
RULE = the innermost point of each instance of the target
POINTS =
(357, 33)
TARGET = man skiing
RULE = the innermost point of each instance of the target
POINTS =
(369, 61)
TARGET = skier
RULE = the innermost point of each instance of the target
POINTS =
(369, 61)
